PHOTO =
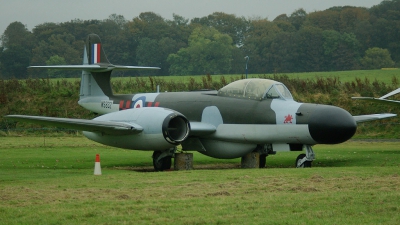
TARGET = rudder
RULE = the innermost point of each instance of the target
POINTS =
(95, 52)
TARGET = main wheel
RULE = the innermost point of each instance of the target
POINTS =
(306, 164)
(163, 163)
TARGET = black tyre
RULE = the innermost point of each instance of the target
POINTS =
(306, 164)
(162, 164)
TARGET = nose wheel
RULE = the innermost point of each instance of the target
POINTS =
(302, 164)
(305, 160)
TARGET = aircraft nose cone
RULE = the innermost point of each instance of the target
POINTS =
(331, 125)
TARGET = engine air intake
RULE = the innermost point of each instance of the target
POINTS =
(175, 128)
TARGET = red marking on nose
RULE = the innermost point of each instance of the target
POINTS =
(288, 119)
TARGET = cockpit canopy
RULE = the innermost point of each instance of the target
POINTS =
(258, 89)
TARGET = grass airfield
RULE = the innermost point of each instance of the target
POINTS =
(49, 180)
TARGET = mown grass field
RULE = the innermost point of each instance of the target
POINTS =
(49, 180)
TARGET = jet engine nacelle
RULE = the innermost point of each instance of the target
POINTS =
(154, 128)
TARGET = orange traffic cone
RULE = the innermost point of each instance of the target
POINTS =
(97, 168)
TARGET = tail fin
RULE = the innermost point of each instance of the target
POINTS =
(95, 84)
(96, 69)
(95, 51)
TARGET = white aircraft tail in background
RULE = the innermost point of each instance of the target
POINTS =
(382, 99)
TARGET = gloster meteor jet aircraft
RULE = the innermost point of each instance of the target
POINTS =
(244, 116)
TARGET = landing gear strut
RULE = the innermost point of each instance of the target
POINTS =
(305, 160)
(264, 151)
(162, 160)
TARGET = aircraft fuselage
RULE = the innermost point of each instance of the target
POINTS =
(299, 122)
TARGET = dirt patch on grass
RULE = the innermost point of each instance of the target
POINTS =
(316, 178)
(304, 189)
(219, 193)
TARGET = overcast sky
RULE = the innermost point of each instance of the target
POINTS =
(35, 12)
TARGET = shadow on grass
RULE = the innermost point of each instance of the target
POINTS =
(219, 166)
(229, 166)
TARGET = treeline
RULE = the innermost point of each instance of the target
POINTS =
(338, 38)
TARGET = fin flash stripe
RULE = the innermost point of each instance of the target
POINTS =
(96, 53)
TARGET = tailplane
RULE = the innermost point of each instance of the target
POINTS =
(382, 99)
(96, 69)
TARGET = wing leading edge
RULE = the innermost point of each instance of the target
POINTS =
(106, 127)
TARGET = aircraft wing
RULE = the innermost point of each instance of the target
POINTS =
(106, 127)
(365, 118)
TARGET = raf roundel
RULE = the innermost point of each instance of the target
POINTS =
(138, 103)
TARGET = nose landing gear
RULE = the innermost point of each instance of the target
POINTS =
(305, 160)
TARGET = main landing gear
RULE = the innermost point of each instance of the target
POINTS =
(264, 151)
(305, 160)
(162, 159)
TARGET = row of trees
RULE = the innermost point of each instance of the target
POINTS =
(339, 38)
